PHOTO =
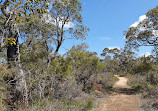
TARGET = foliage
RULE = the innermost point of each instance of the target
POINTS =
(2, 94)
(67, 77)
(143, 74)
(32, 33)
(145, 33)
(89, 105)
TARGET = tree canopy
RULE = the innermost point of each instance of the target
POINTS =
(145, 33)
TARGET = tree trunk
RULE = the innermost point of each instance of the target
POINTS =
(18, 84)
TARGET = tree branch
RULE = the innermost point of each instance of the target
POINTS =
(5, 8)
(4, 30)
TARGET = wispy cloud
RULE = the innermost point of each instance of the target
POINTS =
(146, 54)
(104, 38)
(113, 47)
(141, 18)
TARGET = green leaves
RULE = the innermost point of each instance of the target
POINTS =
(114, 52)
(145, 33)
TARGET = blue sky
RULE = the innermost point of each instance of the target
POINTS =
(107, 19)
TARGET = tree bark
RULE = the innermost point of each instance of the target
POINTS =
(13, 57)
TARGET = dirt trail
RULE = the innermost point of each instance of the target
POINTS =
(123, 98)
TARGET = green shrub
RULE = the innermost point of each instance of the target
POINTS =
(139, 87)
(2, 94)
(89, 105)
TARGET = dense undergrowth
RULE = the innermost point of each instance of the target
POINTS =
(71, 82)
(146, 83)
(35, 77)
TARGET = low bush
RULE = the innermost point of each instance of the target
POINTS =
(89, 105)
(150, 99)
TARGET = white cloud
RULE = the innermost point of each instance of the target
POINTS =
(49, 19)
(113, 47)
(104, 38)
(141, 18)
(146, 54)
(67, 25)
(124, 37)
(155, 32)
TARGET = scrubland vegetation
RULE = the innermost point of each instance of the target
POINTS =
(144, 79)
(35, 77)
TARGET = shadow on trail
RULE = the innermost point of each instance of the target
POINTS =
(122, 97)
(127, 91)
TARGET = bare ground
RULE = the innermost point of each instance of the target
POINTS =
(123, 98)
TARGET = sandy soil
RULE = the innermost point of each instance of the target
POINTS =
(122, 99)
(121, 83)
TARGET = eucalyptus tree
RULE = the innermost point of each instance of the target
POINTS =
(145, 33)
(86, 66)
(110, 59)
(47, 23)
(13, 14)
(66, 16)
(111, 52)
(126, 60)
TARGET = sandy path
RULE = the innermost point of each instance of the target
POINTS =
(122, 99)
(121, 83)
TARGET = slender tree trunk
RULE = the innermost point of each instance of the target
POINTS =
(18, 85)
